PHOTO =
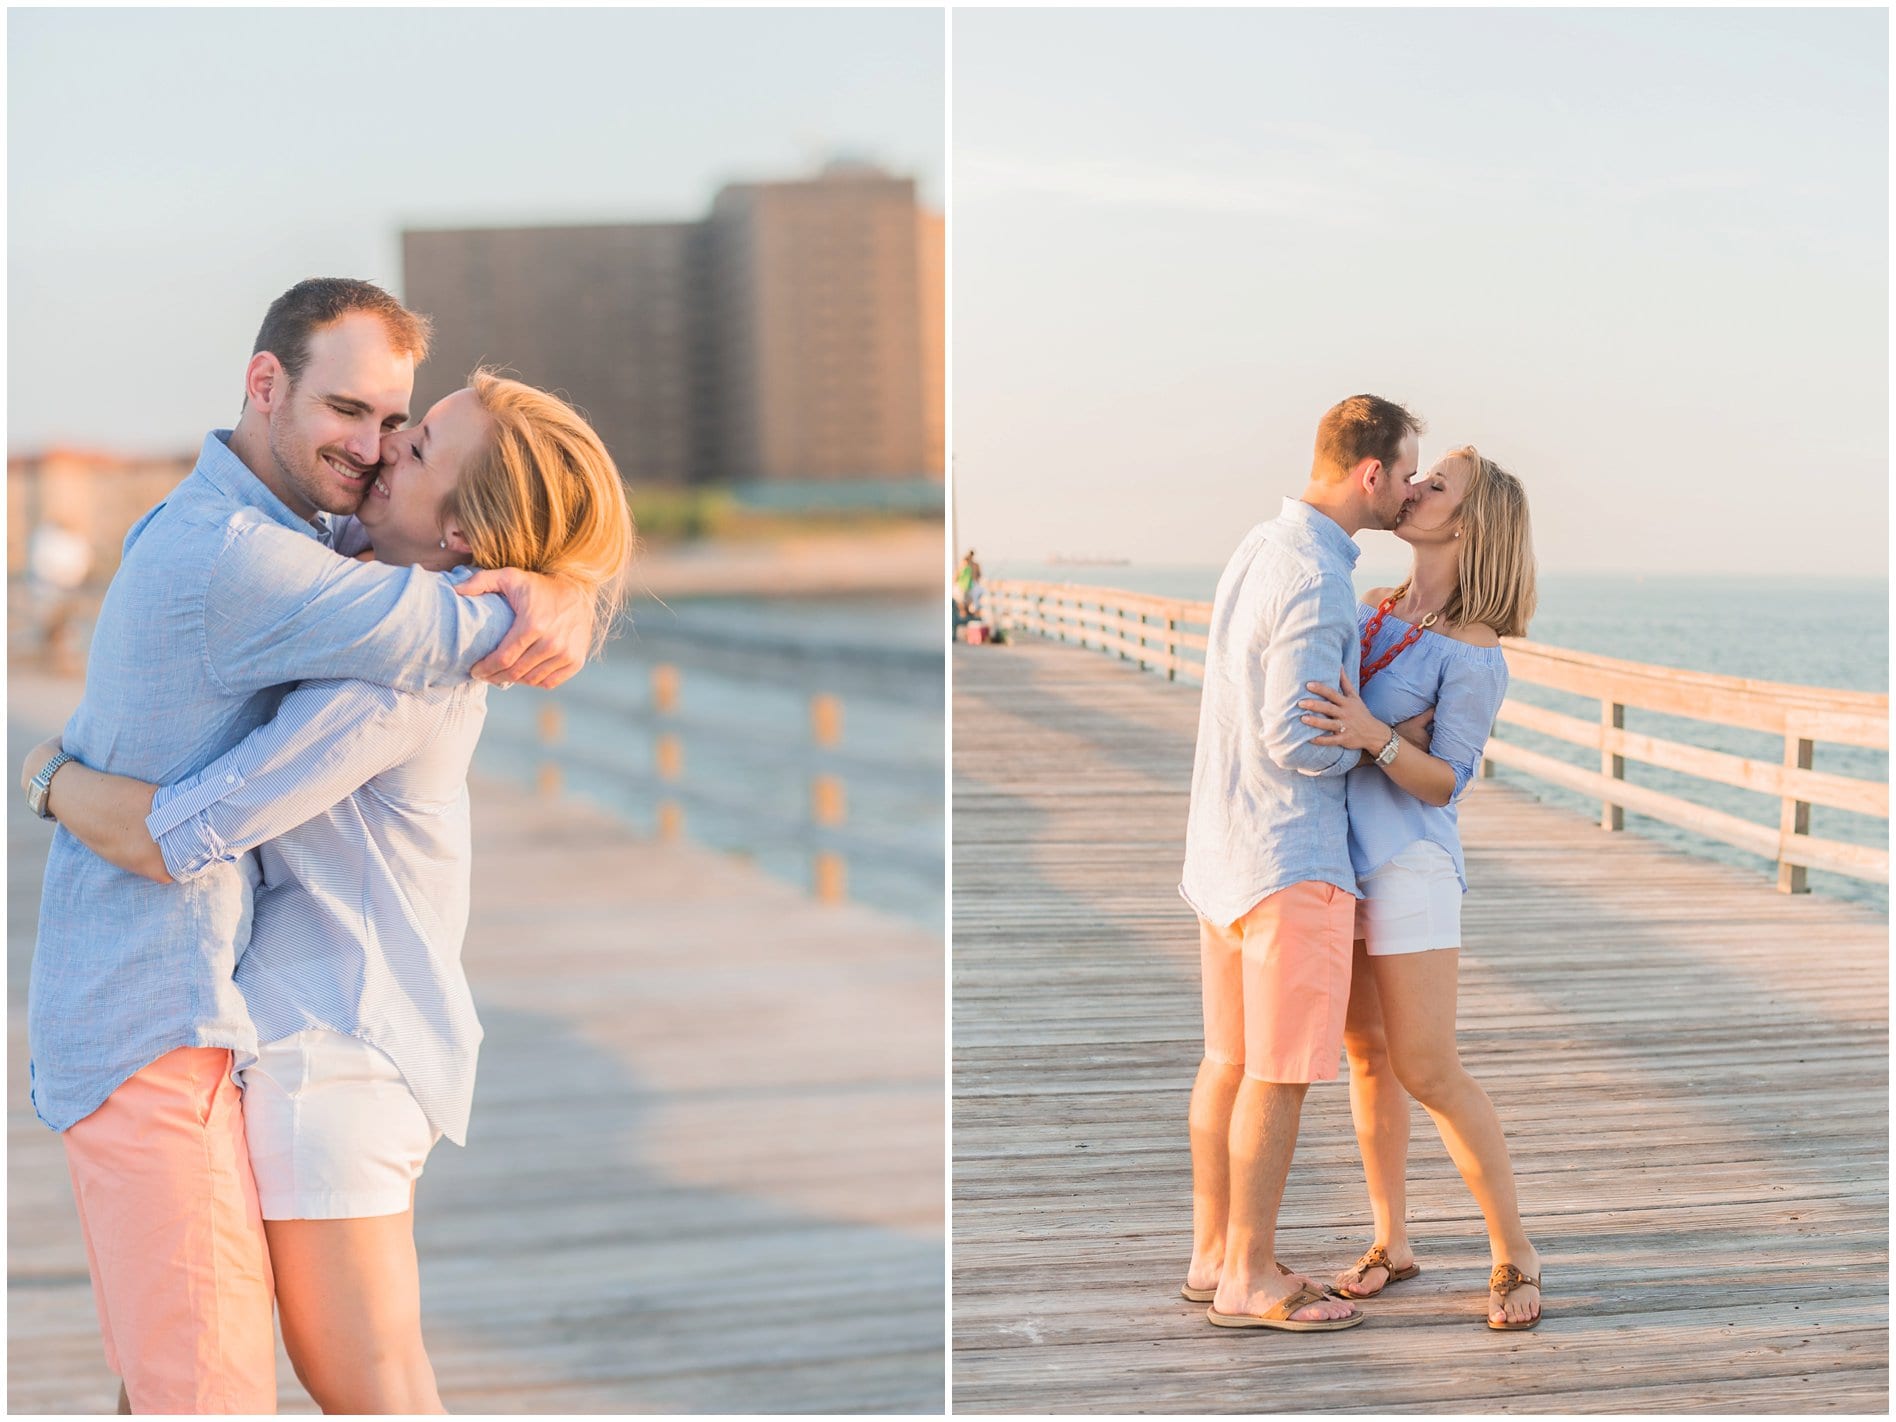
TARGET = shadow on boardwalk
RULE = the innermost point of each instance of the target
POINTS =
(699, 1092)
(1691, 1067)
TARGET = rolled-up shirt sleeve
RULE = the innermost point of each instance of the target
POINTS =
(280, 607)
(326, 741)
(1470, 699)
(1311, 640)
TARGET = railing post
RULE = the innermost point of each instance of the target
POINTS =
(1142, 639)
(1793, 819)
(1613, 767)
(827, 805)
(668, 751)
(1171, 649)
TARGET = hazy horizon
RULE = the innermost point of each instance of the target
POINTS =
(287, 143)
(1639, 257)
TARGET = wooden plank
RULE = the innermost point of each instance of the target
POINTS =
(1732, 829)
(1698, 1120)
(1663, 689)
(1791, 779)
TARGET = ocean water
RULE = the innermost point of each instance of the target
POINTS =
(1826, 632)
(746, 672)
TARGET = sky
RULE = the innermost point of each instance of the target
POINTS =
(1638, 257)
(172, 171)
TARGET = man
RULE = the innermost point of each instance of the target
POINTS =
(1267, 864)
(230, 590)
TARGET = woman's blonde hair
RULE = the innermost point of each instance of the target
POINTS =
(545, 497)
(1494, 582)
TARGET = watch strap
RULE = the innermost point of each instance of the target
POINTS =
(40, 791)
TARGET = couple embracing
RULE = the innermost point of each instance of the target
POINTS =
(247, 1013)
(1323, 859)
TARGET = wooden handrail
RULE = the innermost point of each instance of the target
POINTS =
(1157, 632)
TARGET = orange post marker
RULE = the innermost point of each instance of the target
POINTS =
(827, 802)
(547, 782)
(552, 724)
(826, 719)
(671, 821)
(831, 886)
(671, 757)
(664, 689)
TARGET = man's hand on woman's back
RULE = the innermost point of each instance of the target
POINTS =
(552, 628)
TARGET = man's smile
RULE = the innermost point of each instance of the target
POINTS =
(348, 471)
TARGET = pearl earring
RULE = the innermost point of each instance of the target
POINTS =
(444, 542)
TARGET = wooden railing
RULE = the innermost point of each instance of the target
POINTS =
(1164, 633)
(822, 832)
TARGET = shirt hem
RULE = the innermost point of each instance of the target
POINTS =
(1271, 886)
(241, 1055)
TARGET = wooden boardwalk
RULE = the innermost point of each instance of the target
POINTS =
(1692, 1069)
(699, 1091)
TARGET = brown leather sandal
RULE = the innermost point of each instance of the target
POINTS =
(1278, 1315)
(1377, 1258)
(1197, 1295)
(1504, 1281)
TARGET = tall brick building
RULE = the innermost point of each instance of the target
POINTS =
(794, 335)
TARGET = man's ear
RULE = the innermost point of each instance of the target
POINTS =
(1368, 474)
(266, 382)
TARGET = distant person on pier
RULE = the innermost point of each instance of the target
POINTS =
(1267, 864)
(965, 577)
(1428, 646)
(233, 589)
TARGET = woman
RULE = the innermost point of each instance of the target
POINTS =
(354, 798)
(1432, 642)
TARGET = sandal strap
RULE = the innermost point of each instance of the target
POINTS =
(1506, 1279)
(1290, 1303)
(1375, 1258)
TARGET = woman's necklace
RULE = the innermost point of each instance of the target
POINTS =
(1369, 668)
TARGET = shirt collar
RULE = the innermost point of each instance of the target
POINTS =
(1325, 529)
(219, 464)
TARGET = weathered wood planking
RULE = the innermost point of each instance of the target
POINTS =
(1691, 1067)
(705, 1167)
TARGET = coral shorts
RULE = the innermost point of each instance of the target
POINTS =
(180, 1268)
(1277, 984)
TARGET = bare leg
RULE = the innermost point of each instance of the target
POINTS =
(1212, 1096)
(349, 1298)
(1380, 1108)
(1417, 992)
(1264, 1121)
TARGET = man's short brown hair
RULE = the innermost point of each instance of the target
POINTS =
(311, 305)
(1363, 427)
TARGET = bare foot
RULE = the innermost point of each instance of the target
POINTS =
(1261, 1297)
(1203, 1274)
(1359, 1282)
(1523, 1303)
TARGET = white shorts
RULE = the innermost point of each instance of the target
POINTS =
(1411, 904)
(334, 1131)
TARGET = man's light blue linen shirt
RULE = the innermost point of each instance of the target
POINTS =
(1267, 808)
(1466, 685)
(224, 596)
(355, 798)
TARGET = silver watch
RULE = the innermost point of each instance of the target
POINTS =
(1388, 753)
(41, 788)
